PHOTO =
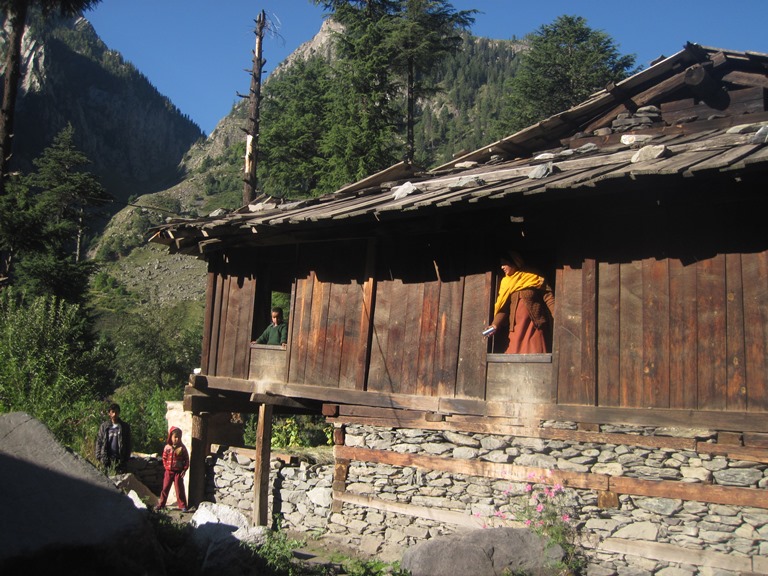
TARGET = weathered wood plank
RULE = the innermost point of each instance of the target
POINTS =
(219, 315)
(608, 380)
(480, 468)
(401, 401)
(448, 335)
(208, 322)
(728, 495)
(429, 334)
(316, 351)
(631, 334)
(747, 453)
(339, 302)
(410, 343)
(736, 382)
(267, 362)
(301, 323)
(676, 554)
(475, 312)
(655, 333)
(710, 287)
(228, 336)
(367, 306)
(683, 330)
(378, 375)
(261, 466)
(733, 421)
(569, 345)
(755, 287)
(520, 382)
(444, 516)
(588, 376)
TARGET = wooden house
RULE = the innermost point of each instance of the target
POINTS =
(645, 208)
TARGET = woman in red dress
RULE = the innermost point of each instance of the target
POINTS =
(525, 305)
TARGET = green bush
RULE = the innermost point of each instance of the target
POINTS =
(52, 367)
(302, 431)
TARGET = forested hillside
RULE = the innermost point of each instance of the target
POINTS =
(134, 136)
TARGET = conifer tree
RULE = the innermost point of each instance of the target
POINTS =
(294, 120)
(363, 117)
(567, 62)
(423, 34)
(61, 201)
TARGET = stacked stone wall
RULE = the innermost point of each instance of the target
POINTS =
(638, 535)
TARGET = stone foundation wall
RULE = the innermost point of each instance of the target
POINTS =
(397, 506)
(149, 469)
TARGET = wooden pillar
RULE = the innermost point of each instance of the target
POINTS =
(340, 470)
(198, 451)
(261, 470)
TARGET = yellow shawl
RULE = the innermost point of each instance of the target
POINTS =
(517, 281)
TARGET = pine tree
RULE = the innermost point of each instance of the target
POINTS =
(363, 113)
(567, 62)
(61, 200)
(294, 120)
(423, 34)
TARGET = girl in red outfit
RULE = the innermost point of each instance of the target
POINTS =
(176, 462)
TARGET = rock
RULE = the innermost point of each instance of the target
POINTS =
(64, 510)
(219, 533)
(483, 553)
(650, 152)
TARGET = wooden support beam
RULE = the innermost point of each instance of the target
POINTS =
(261, 469)
(728, 495)
(199, 449)
(475, 467)
(340, 473)
(676, 554)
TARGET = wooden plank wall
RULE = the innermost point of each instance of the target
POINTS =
(669, 334)
(425, 322)
(229, 321)
(330, 317)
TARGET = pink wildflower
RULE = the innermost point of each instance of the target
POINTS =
(528, 487)
(540, 507)
(566, 518)
(527, 522)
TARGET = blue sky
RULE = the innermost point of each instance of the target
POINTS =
(197, 52)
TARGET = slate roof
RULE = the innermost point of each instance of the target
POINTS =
(699, 113)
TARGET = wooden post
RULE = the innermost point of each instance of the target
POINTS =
(261, 470)
(198, 451)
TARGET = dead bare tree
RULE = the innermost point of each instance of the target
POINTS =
(254, 101)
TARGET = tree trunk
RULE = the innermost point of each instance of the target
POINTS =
(11, 88)
(254, 100)
(410, 145)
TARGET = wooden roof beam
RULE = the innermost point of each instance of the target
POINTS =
(698, 79)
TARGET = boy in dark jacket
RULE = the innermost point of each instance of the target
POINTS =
(176, 463)
(113, 441)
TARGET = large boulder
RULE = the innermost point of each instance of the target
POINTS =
(63, 516)
(488, 552)
(219, 534)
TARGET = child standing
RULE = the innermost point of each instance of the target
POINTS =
(176, 462)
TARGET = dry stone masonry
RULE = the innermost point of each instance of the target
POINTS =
(641, 535)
